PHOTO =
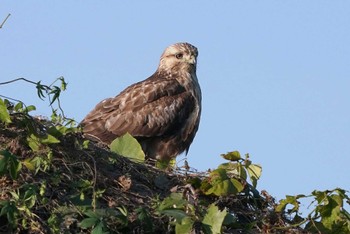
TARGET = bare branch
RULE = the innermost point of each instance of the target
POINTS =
(11, 81)
(3, 22)
(10, 98)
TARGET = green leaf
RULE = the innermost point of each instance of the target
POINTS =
(33, 142)
(143, 214)
(10, 163)
(63, 83)
(129, 147)
(42, 189)
(86, 144)
(222, 185)
(254, 172)
(49, 139)
(4, 115)
(30, 108)
(232, 156)
(30, 196)
(19, 106)
(14, 166)
(165, 164)
(88, 222)
(184, 226)
(289, 200)
(317, 227)
(238, 186)
(56, 91)
(331, 210)
(92, 214)
(175, 200)
(176, 213)
(226, 187)
(229, 219)
(218, 175)
(123, 211)
(29, 163)
(213, 220)
(40, 88)
(9, 208)
(98, 229)
(236, 168)
(4, 155)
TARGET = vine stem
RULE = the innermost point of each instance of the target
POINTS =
(11, 81)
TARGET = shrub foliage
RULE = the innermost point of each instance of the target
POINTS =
(53, 180)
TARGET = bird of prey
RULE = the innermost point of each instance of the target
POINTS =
(162, 112)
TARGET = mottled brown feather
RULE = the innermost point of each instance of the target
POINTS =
(162, 112)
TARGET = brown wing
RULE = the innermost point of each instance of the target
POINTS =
(153, 107)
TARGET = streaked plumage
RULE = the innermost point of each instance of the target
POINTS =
(161, 112)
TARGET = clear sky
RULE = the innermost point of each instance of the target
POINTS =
(275, 75)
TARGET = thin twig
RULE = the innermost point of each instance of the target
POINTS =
(9, 98)
(3, 22)
(11, 81)
(94, 179)
(47, 90)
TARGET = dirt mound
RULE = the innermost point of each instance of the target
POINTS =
(52, 181)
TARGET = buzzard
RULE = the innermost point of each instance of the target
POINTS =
(162, 112)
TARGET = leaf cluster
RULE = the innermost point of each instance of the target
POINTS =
(328, 215)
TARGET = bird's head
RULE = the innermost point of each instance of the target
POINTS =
(179, 56)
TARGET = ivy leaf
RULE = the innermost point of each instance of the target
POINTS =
(254, 172)
(4, 115)
(289, 200)
(236, 168)
(129, 147)
(222, 185)
(213, 220)
(184, 226)
(331, 211)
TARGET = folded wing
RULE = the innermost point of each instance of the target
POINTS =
(152, 108)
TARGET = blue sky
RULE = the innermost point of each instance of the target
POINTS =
(275, 75)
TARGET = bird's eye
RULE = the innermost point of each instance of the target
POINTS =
(179, 55)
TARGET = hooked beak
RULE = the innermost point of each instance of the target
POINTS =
(192, 59)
